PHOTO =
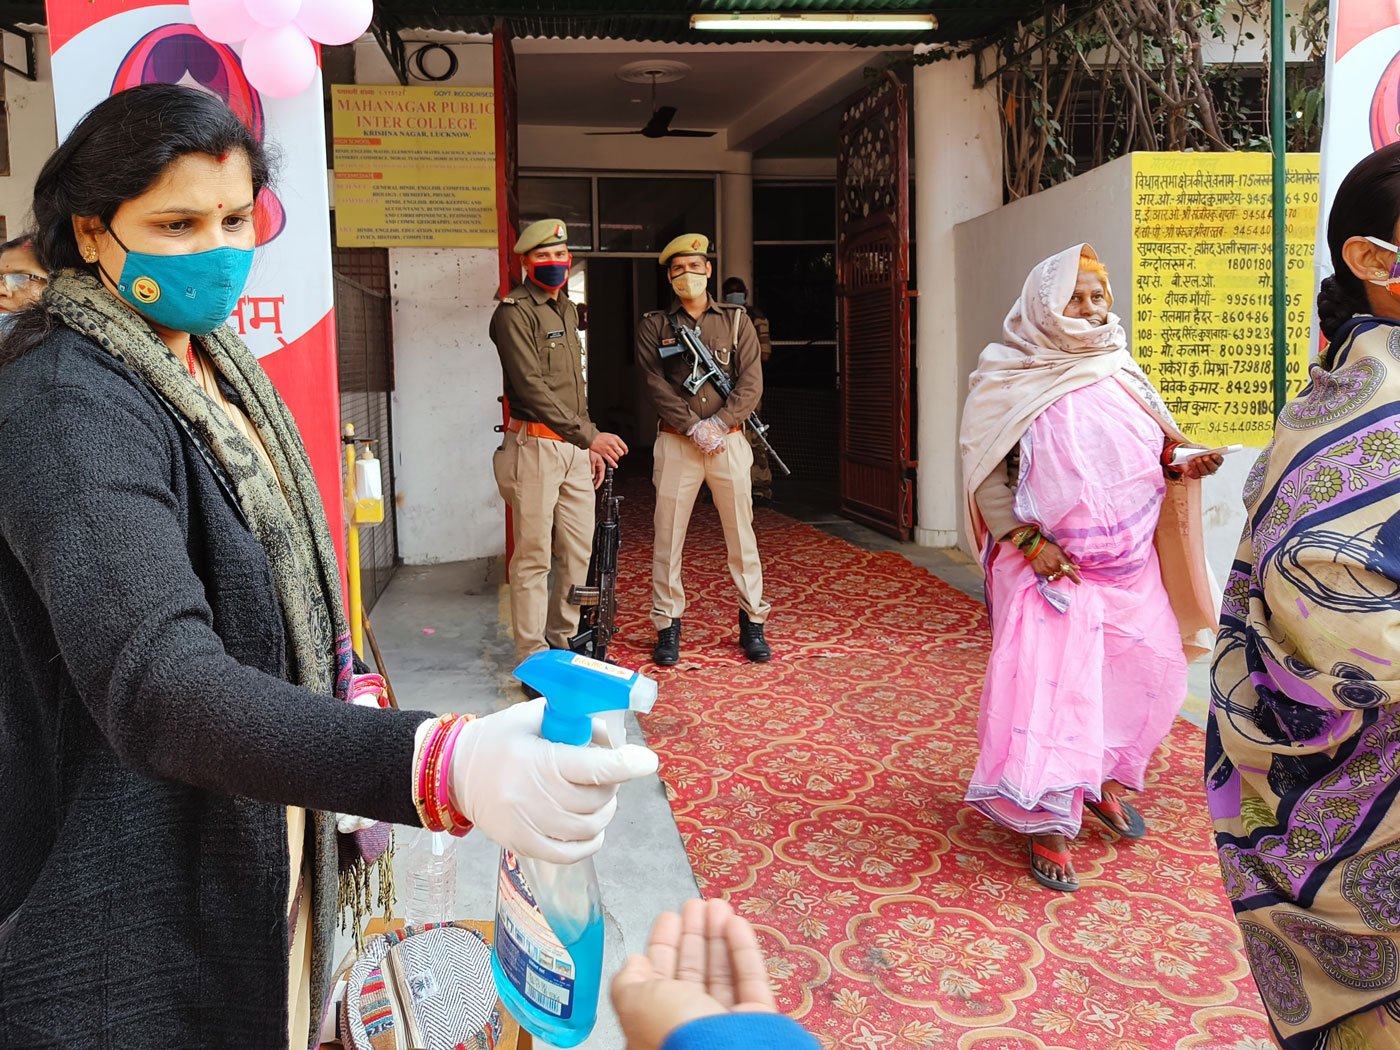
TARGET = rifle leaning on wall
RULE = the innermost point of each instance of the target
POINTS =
(688, 338)
(597, 599)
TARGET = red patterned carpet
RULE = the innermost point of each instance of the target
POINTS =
(821, 794)
(829, 598)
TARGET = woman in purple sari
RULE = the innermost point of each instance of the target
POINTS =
(1303, 743)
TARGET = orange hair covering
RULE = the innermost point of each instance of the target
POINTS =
(1089, 263)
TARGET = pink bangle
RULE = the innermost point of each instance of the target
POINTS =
(442, 802)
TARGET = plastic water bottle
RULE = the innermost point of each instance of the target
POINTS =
(548, 952)
(432, 878)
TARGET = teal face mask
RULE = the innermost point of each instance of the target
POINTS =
(184, 293)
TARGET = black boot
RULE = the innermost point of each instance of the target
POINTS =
(751, 639)
(668, 646)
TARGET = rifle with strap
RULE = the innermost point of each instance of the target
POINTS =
(709, 371)
(597, 599)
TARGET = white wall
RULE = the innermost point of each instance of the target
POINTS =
(794, 167)
(33, 137)
(957, 141)
(447, 380)
(1247, 40)
(736, 228)
(995, 253)
(475, 62)
(447, 376)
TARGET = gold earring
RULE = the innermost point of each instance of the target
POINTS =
(1382, 273)
(90, 254)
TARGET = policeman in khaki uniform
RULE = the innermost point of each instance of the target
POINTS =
(700, 439)
(552, 457)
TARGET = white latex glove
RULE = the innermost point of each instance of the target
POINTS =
(708, 435)
(540, 799)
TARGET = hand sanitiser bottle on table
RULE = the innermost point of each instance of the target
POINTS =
(548, 952)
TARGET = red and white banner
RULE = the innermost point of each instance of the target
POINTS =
(1362, 96)
(287, 314)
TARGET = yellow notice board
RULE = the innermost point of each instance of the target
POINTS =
(1202, 300)
(414, 166)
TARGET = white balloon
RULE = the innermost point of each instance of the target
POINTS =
(279, 62)
(273, 13)
(226, 21)
(335, 21)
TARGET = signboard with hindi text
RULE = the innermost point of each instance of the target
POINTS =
(414, 166)
(1202, 292)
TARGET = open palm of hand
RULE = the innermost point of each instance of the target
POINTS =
(703, 962)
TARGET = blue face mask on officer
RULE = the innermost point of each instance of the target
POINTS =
(551, 274)
(737, 298)
(192, 293)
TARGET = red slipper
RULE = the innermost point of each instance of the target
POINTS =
(1118, 808)
(1060, 859)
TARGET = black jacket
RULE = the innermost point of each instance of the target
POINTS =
(149, 742)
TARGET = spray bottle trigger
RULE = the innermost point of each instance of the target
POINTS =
(579, 689)
(610, 729)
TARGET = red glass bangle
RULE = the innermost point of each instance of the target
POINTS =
(429, 762)
(445, 811)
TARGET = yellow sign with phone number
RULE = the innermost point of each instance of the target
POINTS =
(1200, 317)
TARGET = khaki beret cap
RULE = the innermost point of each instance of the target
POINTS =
(541, 234)
(685, 244)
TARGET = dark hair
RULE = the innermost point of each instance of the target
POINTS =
(114, 154)
(24, 240)
(734, 284)
(1367, 205)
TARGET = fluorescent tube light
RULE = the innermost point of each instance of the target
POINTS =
(818, 23)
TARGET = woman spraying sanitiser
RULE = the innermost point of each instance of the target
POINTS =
(175, 669)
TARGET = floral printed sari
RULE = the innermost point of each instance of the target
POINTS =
(1303, 744)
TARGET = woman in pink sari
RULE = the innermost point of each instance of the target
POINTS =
(1096, 582)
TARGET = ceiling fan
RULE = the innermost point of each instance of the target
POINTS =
(659, 126)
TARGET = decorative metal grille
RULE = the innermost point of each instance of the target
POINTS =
(872, 247)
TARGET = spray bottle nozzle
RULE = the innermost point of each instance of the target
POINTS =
(578, 687)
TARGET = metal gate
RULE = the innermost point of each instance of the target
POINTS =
(873, 293)
(364, 337)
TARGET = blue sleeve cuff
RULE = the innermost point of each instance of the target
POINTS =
(746, 1031)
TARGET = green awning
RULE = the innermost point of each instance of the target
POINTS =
(669, 22)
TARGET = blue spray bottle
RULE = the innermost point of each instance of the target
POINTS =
(548, 952)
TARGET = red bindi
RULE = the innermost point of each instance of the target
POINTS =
(221, 207)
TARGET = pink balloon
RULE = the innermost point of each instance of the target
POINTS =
(280, 62)
(273, 13)
(335, 21)
(226, 21)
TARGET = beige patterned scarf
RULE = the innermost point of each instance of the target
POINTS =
(1045, 355)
